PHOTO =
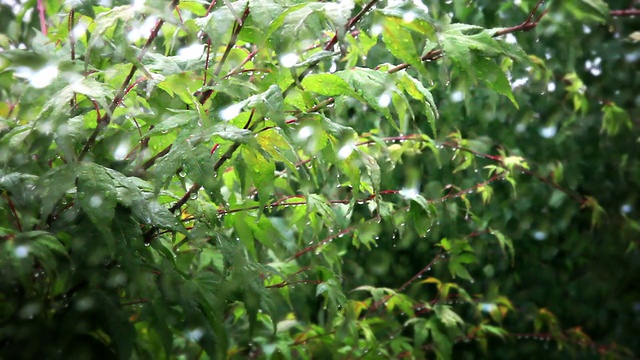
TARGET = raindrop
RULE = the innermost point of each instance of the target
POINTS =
(539, 235)
(626, 208)
(30, 310)
(79, 30)
(409, 16)
(40, 78)
(345, 151)
(457, 96)
(121, 151)
(548, 131)
(305, 133)
(519, 82)
(191, 52)
(288, 60)
(95, 201)
(142, 30)
(230, 112)
(195, 334)
(384, 100)
(376, 30)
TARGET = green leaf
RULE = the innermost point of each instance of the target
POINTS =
(119, 328)
(168, 165)
(263, 12)
(415, 16)
(97, 194)
(490, 329)
(615, 119)
(461, 42)
(506, 244)
(373, 86)
(261, 172)
(180, 119)
(299, 17)
(219, 22)
(448, 317)
(490, 73)
(443, 344)
(232, 133)
(589, 10)
(87, 86)
(108, 19)
(416, 90)
(319, 204)
(400, 42)
(327, 85)
(414, 195)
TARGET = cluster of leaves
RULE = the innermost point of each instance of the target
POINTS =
(276, 179)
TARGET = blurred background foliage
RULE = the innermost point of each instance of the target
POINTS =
(505, 230)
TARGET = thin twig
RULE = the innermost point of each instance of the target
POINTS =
(43, 21)
(384, 300)
(232, 42)
(331, 43)
(72, 38)
(226, 156)
(530, 23)
(14, 212)
(104, 121)
(626, 12)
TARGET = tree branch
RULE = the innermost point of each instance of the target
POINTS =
(104, 121)
(626, 12)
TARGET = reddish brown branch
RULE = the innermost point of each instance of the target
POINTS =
(14, 212)
(42, 12)
(232, 42)
(625, 12)
(352, 22)
(72, 38)
(384, 300)
(578, 198)
(106, 119)
(530, 23)
(226, 156)
(206, 62)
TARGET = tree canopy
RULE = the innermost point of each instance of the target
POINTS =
(294, 179)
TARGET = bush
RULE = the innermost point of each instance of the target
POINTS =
(297, 179)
